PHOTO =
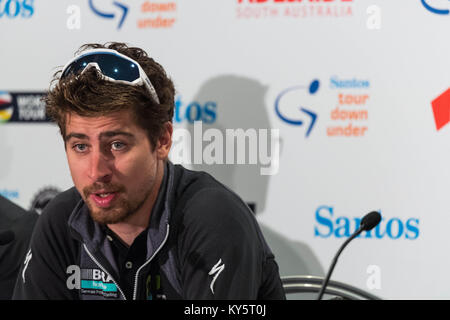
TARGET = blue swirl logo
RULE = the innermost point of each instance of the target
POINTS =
(433, 9)
(111, 15)
(310, 115)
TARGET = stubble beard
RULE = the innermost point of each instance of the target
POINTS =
(121, 209)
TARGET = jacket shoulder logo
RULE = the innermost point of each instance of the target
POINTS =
(27, 261)
(216, 271)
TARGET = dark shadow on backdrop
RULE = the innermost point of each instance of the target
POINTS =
(241, 104)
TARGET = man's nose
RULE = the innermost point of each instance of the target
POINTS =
(100, 170)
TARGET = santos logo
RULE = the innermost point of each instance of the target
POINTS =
(16, 8)
(328, 225)
(195, 111)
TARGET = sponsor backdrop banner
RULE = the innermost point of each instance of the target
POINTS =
(315, 111)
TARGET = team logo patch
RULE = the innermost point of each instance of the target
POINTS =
(91, 282)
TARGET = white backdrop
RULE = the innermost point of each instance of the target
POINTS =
(380, 62)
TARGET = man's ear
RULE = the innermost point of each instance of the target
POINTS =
(165, 141)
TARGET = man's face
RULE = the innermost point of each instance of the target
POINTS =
(112, 165)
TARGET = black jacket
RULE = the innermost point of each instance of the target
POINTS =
(21, 222)
(203, 241)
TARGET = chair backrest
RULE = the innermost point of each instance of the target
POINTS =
(311, 285)
(292, 257)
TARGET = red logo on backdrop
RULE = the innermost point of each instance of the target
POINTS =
(441, 109)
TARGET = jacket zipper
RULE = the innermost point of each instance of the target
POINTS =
(147, 262)
(103, 269)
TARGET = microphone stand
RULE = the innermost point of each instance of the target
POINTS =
(333, 264)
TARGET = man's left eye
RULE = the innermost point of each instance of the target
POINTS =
(117, 146)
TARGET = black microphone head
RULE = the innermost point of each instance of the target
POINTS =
(6, 237)
(370, 220)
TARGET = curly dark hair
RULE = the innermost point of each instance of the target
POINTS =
(89, 95)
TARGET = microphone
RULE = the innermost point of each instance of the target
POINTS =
(6, 237)
(368, 222)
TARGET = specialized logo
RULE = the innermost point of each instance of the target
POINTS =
(281, 105)
(432, 6)
(216, 271)
(441, 109)
(27, 261)
(91, 281)
(121, 15)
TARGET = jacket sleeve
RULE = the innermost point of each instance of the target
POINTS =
(43, 272)
(221, 252)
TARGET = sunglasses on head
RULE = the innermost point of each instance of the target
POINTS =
(113, 66)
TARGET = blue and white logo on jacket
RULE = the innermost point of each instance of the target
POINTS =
(91, 281)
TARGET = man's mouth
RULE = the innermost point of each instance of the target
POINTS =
(103, 199)
(103, 195)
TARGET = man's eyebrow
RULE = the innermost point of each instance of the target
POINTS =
(107, 134)
(110, 134)
(75, 135)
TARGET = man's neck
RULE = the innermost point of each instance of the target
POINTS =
(127, 231)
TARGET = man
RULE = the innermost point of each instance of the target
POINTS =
(135, 226)
(16, 226)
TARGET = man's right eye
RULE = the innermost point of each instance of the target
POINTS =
(80, 147)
